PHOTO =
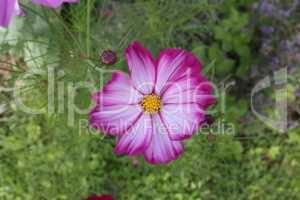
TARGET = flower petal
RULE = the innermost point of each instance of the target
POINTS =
(7, 11)
(174, 64)
(115, 119)
(53, 3)
(141, 67)
(162, 149)
(18, 11)
(185, 104)
(137, 138)
(182, 120)
(117, 106)
(189, 90)
(118, 91)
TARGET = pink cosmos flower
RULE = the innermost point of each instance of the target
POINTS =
(10, 8)
(158, 105)
(102, 197)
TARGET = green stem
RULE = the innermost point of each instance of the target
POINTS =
(9, 70)
(69, 32)
(88, 28)
(27, 8)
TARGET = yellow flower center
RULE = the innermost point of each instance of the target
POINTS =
(151, 103)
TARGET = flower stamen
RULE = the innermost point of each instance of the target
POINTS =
(151, 103)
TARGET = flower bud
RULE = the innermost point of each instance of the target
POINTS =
(108, 57)
(209, 120)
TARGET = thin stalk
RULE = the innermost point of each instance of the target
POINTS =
(9, 70)
(27, 8)
(69, 32)
(88, 27)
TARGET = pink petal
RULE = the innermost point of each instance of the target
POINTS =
(18, 11)
(137, 138)
(162, 149)
(182, 120)
(188, 91)
(141, 67)
(174, 64)
(53, 3)
(118, 91)
(117, 106)
(187, 84)
(185, 104)
(8, 8)
(115, 119)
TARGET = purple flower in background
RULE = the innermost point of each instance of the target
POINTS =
(297, 39)
(267, 30)
(291, 9)
(267, 8)
(271, 8)
(297, 92)
(10, 8)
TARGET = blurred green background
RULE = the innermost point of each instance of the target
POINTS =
(42, 157)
